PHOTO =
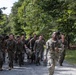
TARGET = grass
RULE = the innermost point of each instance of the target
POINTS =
(71, 56)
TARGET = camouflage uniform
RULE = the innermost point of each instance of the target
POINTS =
(62, 52)
(11, 46)
(24, 50)
(31, 46)
(1, 53)
(42, 49)
(19, 51)
(1, 58)
(39, 48)
(4, 48)
(53, 54)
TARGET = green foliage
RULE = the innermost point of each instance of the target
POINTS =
(71, 56)
(3, 24)
(15, 19)
(67, 23)
(44, 17)
(4, 28)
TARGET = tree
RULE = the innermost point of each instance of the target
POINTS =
(67, 23)
(3, 22)
(44, 17)
(15, 20)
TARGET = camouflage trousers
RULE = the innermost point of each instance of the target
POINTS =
(11, 58)
(20, 59)
(61, 57)
(1, 59)
(53, 58)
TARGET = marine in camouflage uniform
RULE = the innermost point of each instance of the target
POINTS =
(1, 53)
(39, 48)
(23, 39)
(63, 49)
(4, 43)
(19, 51)
(11, 46)
(16, 54)
(31, 44)
(53, 53)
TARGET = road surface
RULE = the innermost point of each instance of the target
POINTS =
(32, 69)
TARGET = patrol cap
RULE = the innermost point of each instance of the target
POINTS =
(57, 32)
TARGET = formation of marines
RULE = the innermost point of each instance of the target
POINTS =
(34, 48)
(17, 47)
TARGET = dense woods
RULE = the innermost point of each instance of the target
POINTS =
(41, 17)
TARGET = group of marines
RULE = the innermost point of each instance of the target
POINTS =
(33, 47)
(16, 48)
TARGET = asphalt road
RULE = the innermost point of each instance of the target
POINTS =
(31, 69)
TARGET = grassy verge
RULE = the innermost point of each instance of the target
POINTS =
(71, 56)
